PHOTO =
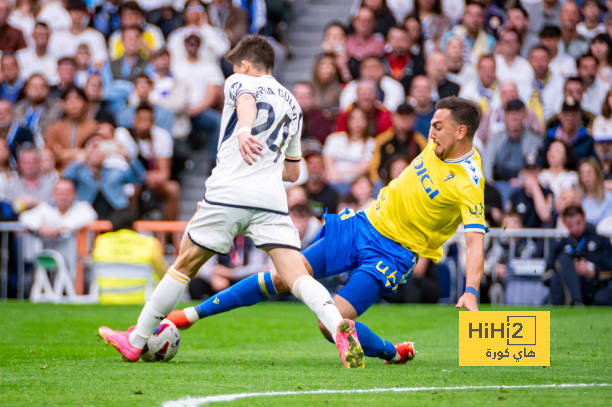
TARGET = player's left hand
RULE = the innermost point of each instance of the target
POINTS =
(249, 147)
(467, 301)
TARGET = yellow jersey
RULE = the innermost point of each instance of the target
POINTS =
(423, 207)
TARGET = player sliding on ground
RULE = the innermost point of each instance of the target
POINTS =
(413, 216)
(261, 122)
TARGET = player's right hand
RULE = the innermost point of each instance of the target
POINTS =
(249, 147)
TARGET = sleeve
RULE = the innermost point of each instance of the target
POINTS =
(472, 209)
(163, 145)
(236, 85)
(33, 218)
(294, 149)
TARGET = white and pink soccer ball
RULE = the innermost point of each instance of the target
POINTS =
(163, 343)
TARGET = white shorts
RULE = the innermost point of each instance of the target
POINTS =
(214, 227)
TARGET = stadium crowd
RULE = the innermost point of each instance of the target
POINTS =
(113, 96)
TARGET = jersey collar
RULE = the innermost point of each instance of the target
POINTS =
(458, 160)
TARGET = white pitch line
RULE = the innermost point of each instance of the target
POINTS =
(193, 402)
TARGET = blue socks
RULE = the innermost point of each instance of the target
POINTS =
(372, 344)
(248, 291)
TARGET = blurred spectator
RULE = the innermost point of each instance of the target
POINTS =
(215, 43)
(131, 63)
(9, 182)
(106, 17)
(10, 83)
(476, 41)
(34, 188)
(84, 65)
(11, 39)
(47, 166)
(400, 8)
(595, 200)
(155, 150)
(317, 124)
(602, 135)
(572, 88)
(12, 132)
(494, 16)
(400, 61)
(423, 285)
(595, 88)
(37, 58)
(307, 225)
(116, 143)
(143, 86)
(65, 42)
(546, 86)
(205, 89)
(601, 48)
(94, 91)
(519, 20)
(296, 195)
(66, 71)
(560, 63)
(165, 17)
(36, 111)
(67, 137)
(321, 196)
(103, 187)
(485, 90)
(55, 15)
(543, 13)
(362, 190)
(572, 43)
(506, 152)
(571, 131)
(23, 16)
(494, 122)
(379, 118)
(334, 45)
(383, 17)
(494, 205)
(347, 201)
(400, 139)
(436, 70)
(567, 198)
(458, 71)
(559, 173)
(413, 27)
(131, 15)
(232, 19)
(511, 66)
(576, 264)
(56, 224)
(591, 25)
(362, 42)
(347, 154)
(326, 83)
(433, 20)
(394, 167)
(424, 108)
(391, 92)
(532, 201)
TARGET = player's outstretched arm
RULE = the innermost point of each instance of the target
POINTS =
(474, 266)
(246, 110)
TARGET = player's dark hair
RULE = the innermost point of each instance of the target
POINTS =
(463, 111)
(573, 210)
(255, 49)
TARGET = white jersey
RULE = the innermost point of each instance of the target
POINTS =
(278, 127)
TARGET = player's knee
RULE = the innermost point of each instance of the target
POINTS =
(324, 330)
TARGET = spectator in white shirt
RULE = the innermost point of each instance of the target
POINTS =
(55, 15)
(558, 173)
(547, 87)
(485, 90)
(458, 71)
(590, 26)
(37, 58)
(511, 66)
(22, 17)
(560, 63)
(65, 43)
(602, 126)
(595, 88)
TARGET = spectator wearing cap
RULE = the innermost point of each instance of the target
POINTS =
(591, 25)
(400, 62)
(510, 65)
(596, 201)
(391, 92)
(363, 42)
(572, 88)
(205, 92)
(571, 131)
(458, 71)
(400, 139)
(11, 38)
(531, 200)
(421, 101)
(519, 20)
(10, 82)
(65, 42)
(106, 17)
(66, 72)
(131, 63)
(36, 110)
(506, 152)
(572, 43)
(595, 88)
(560, 63)
(379, 118)
(321, 196)
(602, 135)
(543, 13)
(131, 15)
(37, 58)
(215, 42)
(476, 41)
(317, 124)
(67, 137)
(579, 265)
(484, 90)
(546, 86)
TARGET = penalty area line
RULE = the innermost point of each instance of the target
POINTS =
(199, 401)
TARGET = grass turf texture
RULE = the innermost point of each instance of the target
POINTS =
(51, 356)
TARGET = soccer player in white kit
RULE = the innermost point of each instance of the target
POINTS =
(258, 149)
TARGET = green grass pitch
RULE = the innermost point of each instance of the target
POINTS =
(50, 356)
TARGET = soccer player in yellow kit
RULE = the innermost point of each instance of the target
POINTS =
(412, 216)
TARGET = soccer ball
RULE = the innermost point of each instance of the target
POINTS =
(163, 343)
